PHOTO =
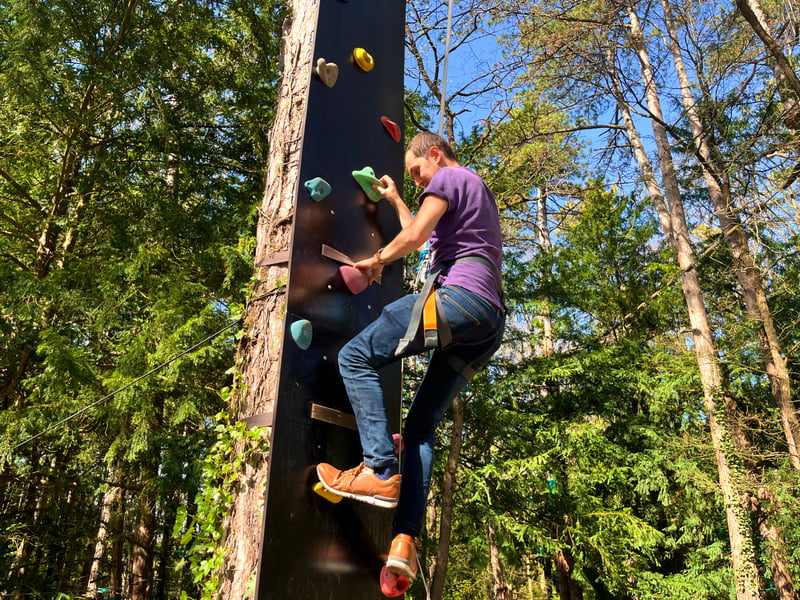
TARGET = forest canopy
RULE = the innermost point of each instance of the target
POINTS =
(636, 436)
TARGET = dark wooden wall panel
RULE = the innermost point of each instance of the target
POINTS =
(314, 549)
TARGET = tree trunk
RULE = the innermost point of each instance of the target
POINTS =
(446, 514)
(730, 471)
(165, 559)
(116, 569)
(143, 538)
(755, 300)
(751, 10)
(568, 588)
(499, 588)
(259, 351)
(543, 234)
(736, 238)
(776, 546)
(108, 508)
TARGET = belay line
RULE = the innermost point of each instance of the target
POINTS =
(144, 376)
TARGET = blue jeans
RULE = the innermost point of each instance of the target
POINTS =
(477, 329)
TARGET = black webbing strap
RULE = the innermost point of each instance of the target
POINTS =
(416, 314)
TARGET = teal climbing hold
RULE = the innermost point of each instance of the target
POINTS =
(318, 188)
(366, 179)
(301, 333)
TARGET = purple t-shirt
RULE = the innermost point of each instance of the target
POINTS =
(470, 227)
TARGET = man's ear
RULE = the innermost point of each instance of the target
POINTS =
(436, 155)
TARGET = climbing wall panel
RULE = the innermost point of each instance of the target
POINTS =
(312, 548)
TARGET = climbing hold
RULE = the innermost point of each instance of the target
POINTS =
(329, 496)
(318, 188)
(327, 72)
(355, 280)
(392, 584)
(393, 128)
(397, 440)
(363, 59)
(301, 333)
(366, 179)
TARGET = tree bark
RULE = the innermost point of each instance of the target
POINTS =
(499, 588)
(568, 588)
(446, 516)
(750, 10)
(733, 231)
(259, 351)
(108, 509)
(730, 471)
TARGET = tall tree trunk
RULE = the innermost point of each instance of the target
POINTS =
(259, 351)
(543, 233)
(143, 541)
(116, 533)
(446, 514)
(730, 470)
(499, 588)
(754, 295)
(751, 11)
(164, 558)
(736, 238)
(568, 588)
(109, 507)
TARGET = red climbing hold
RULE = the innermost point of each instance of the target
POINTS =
(393, 128)
(392, 584)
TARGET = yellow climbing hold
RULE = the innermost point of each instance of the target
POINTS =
(363, 59)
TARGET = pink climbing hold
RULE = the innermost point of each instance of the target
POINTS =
(397, 440)
(393, 128)
(355, 280)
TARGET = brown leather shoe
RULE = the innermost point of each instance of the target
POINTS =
(403, 556)
(360, 483)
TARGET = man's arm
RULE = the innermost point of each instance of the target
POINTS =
(390, 192)
(414, 234)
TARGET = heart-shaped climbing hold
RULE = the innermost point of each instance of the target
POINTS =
(366, 179)
(393, 128)
(355, 280)
(318, 188)
(363, 59)
(327, 72)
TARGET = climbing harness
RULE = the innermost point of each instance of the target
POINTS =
(428, 311)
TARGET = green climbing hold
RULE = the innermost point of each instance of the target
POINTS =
(301, 333)
(318, 188)
(366, 179)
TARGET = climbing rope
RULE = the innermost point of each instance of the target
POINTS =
(155, 369)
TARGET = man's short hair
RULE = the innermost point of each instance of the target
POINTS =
(425, 140)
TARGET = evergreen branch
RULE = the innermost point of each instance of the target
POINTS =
(127, 385)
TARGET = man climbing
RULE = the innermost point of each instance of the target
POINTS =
(459, 314)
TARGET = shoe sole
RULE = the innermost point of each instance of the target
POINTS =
(374, 500)
(400, 566)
